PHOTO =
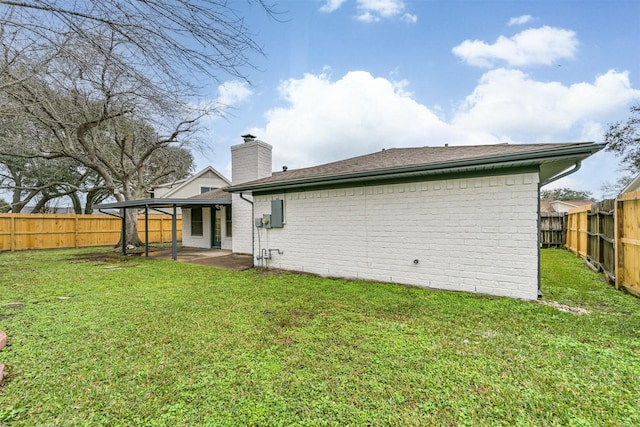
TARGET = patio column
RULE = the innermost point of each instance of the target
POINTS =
(174, 234)
(124, 231)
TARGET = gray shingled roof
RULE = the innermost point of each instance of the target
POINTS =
(395, 160)
(217, 194)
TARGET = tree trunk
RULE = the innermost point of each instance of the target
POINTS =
(94, 197)
(41, 204)
(16, 203)
(132, 238)
(77, 206)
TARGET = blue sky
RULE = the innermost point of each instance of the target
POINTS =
(343, 78)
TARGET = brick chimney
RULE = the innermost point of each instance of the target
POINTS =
(250, 160)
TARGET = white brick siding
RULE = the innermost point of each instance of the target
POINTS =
(241, 224)
(474, 235)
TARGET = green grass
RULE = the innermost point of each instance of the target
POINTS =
(153, 342)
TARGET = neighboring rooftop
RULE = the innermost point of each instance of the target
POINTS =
(217, 194)
(175, 186)
(574, 203)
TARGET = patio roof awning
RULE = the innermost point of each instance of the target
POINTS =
(165, 203)
(157, 205)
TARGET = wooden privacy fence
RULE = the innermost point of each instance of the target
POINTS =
(628, 242)
(552, 227)
(607, 235)
(577, 223)
(47, 231)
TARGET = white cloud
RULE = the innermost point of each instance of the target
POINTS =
(358, 114)
(232, 93)
(383, 8)
(368, 17)
(374, 10)
(509, 103)
(543, 45)
(409, 18)
(331, 5)
(519, 20)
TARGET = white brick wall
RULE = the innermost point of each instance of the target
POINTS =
(241, 225)
(474, 235)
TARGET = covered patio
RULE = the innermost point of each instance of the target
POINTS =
(165, 207)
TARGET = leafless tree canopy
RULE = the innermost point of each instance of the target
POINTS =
(623, 138)
(165, 39)
(96, 92)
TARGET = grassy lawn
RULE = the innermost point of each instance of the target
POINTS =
(105, 340)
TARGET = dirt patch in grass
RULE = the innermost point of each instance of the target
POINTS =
(98, 257)
(11, 307)
(229, 262)
(565, 308)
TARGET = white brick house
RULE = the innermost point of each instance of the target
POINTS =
(456, 218)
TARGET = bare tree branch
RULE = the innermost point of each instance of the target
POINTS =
(172, 37)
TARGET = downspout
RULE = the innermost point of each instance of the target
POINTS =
(576, 168)
(539, 229)
(253, 231)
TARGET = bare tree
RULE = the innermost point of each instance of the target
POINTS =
(167, 38)
(108, 81)
(28, 177)
(111, 120)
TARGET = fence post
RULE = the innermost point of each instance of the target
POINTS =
(12, 232)
(618, 219)
(578, 239)
(76, 230)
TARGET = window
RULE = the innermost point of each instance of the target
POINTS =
(228, 221)
(196, 222)
(207, 189)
